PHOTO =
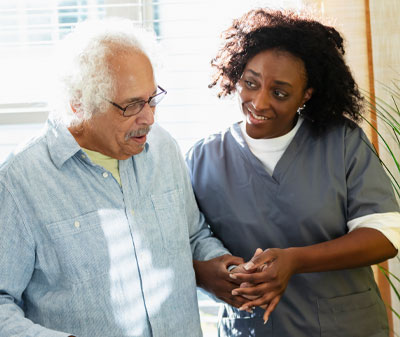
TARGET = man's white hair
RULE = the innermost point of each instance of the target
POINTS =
(84, 77)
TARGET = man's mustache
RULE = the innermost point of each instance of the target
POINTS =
(138, 133)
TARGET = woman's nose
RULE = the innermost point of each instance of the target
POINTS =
(261, 100)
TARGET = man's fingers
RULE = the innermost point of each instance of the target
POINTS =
(246, 285)
(232, 260)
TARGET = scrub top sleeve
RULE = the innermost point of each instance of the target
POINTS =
(369, 189)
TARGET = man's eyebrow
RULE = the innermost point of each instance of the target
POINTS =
(133, 100)
(137, 99)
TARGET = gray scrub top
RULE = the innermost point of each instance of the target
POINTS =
(319, 184)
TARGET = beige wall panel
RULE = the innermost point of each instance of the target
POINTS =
(348, 17)
(385, 29)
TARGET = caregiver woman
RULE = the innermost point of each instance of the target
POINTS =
(297, 178)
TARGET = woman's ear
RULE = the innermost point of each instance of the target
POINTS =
(307, 95)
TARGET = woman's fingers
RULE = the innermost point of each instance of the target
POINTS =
(270, 308)
(256, 291)
(251, 298)
(260, 258)
(254, 278)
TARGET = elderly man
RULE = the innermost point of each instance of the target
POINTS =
(99, 226)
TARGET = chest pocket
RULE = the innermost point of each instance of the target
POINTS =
(80, 246)
(171, 219)
(356, 315)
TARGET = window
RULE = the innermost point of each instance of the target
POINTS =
(189, 33)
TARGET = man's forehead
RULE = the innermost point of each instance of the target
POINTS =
(133, 75)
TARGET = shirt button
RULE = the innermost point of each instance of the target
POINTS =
(105, 174)
(133, 212)
(77, 224)
(83, 156)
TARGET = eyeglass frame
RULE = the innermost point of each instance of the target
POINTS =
(163, 92)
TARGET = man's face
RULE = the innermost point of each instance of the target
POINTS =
(111, 133)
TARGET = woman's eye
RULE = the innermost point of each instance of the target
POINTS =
(280, 94)
(250, 84)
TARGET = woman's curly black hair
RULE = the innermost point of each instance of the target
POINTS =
(335, 93)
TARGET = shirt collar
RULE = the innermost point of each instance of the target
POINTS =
(61, 144)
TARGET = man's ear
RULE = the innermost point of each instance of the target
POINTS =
(75, 103)
(76, 107)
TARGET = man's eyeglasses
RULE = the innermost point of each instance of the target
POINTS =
(134, 108)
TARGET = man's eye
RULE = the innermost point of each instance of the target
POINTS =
(134, 108)
(136, 104)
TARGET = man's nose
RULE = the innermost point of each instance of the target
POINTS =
(146, 116)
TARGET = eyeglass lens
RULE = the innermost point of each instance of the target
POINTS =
(135, 108)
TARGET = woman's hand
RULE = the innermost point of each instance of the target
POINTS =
(274, 267)
(270, 272)
(241, 269)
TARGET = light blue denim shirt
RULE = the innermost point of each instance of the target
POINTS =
(82, 255)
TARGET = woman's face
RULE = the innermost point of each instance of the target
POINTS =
(271, 89)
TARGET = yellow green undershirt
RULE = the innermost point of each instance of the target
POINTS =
(110, 164)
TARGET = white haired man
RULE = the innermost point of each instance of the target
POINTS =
(99, 226)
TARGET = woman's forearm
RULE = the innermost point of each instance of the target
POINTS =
(361, 247)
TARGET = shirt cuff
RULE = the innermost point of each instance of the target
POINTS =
(231, 267)
(387, 223)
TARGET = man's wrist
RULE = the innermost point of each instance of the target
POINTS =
(231, 267)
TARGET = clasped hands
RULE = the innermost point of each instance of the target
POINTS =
(259, 282)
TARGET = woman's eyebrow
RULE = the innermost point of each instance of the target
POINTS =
(283, 83)
(256, 74)
(253, 72)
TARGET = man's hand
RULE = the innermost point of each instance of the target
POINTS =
(213, 276)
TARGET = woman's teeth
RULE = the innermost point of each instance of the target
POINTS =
(261, 118)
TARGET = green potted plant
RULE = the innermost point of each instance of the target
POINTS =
(386, 114)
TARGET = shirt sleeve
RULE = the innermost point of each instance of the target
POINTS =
(369, 190)
(17, 259)
(204, 244)
(387, 223)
